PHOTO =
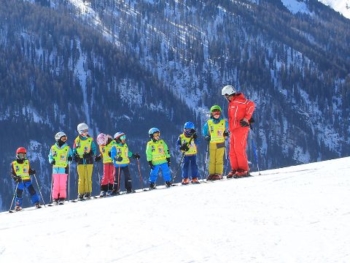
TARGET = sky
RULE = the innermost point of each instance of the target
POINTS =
(289, 215)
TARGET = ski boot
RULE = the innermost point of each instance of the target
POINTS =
(185, 181)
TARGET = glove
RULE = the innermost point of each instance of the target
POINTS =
(98, 158)
(151, 165)
(76, 158)
(226, 133)
(194, 135)
(168, 160)
(207, 138)
(17, 178)
(136, 156)
(86, 155)
(184, 147)
(31, 171)
(119, 159)
(244, 123)
(53, 162)
(70, 158)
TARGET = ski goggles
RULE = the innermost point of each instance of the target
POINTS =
(122, 138)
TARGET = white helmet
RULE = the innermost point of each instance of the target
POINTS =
(82, 127)
(228, 90)
(59, 135)
(102, 139)
(117, 135)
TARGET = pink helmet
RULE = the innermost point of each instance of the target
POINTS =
(102, 139)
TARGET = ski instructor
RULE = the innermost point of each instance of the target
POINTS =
(240, 111)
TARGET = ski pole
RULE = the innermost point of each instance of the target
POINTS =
(39, 189)
(98, 174)
(255, 153)
(140, 175)
(14, 195)
(226, 156)
(206, 165)
(178, 168)
(118, 179)
(68, 180)
(51, 188)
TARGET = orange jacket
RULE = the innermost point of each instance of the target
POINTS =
(239, 108)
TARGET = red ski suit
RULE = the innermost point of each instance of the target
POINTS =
(239, 108)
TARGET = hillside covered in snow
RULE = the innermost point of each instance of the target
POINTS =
(294, 214)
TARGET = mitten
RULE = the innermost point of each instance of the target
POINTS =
(168, 160)
(151, 165)
(31, 171)
(136, 156)
(184, 147)
(119, 159)
(17, 178)
(244, 123)
(53, 162)
(70, 158)
(194, 135)
(226, 133)
(76, 158)
(98, 158)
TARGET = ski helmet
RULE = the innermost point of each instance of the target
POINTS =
(59, 135)
(117, 135)
(21, 150)
(228, 90)
(153, 131)
(21, 153)
(102, 139)
(215, 108)
(82, 127)
(189, 125)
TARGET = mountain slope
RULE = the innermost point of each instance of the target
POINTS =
(341, 6)
(133, 65)
(294, 214)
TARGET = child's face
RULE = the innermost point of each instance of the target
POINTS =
(216, 114)
(156, 136)
(84, 133)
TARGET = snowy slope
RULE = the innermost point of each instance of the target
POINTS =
(341, 6)
(294, 214)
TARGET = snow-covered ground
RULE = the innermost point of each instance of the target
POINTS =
(341, 6)
(296, 214)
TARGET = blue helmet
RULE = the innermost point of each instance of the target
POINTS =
(189, 125)
(152, 131)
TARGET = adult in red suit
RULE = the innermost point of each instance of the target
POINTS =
(240, 111)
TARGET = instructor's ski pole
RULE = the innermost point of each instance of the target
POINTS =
(255, 153)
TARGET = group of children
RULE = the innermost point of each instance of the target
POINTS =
(115, 155)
